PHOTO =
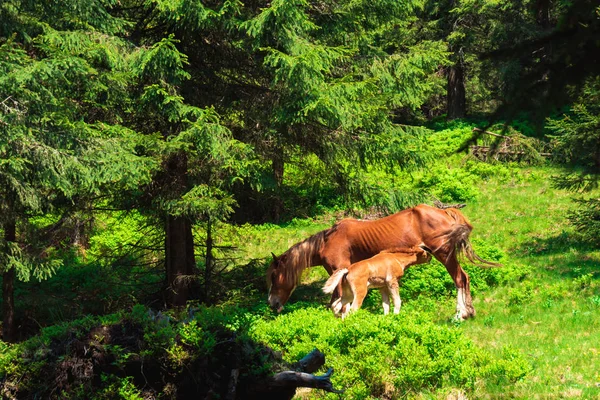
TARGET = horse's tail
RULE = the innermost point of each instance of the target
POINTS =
(458, 237)
(334, 280)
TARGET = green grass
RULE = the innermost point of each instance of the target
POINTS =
(551, 318)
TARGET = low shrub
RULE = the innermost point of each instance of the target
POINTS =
(376, 356)
(450, 184)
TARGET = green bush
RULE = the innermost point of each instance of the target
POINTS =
(501, 172)
(450, 185)
(377, 356)
(430, 280)
(449, 138)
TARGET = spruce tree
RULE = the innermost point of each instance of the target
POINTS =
(576, 140)
(63, 84)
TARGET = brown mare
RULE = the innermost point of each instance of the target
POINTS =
(380, 271)
(444, 232)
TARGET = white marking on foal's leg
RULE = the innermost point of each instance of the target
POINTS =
(385, 301)
(346, 310)
(397, 301)
(336, 306)
(461, 307)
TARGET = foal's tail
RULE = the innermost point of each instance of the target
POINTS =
(334, 280)
(458, 237)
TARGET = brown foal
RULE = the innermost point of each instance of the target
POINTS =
(381, 271)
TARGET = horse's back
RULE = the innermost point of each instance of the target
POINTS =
(374, 236)
(351, 240)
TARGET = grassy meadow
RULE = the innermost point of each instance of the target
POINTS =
(548, 317)
(553, 316)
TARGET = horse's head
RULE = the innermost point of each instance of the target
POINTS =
(279, 282)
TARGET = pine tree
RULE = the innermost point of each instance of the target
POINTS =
(341, 72)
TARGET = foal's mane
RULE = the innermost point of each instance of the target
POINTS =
(300, 256)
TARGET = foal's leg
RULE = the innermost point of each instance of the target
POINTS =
(346, 300)
(360, 292)
(396, 296)
(333, 260)
(385, 300)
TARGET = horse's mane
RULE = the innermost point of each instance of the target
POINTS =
(299, 257)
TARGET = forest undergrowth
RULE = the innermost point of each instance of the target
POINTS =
(534, 335)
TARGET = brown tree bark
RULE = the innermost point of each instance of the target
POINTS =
(542, 10)
(208, 261)
(180, 261)
(278, 166)
(456, 96)
(8, 291)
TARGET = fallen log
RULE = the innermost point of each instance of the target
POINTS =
(283, 385)
(294, 379)
(310, 362)
(444, 206)
(509, 147)
(486, 149)
(489, 133)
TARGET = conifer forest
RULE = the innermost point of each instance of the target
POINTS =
(172, 172)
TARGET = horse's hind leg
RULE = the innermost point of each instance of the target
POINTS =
(360, 292)
(346, 300)
(394, 291)
(337, 300)
(336, 296)
(385, 300)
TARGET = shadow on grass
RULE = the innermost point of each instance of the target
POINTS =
(311, 292)
(95, 358)
(563, 256)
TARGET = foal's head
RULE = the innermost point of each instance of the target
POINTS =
(423, 256)
(280, 282)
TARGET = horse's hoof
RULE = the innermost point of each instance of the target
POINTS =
(463, 316)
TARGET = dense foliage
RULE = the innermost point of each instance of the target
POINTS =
(153, 153)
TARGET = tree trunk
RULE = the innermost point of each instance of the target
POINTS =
(542, 11)
(456, 98)
(179, 260)
(8, 291)
(209, 261)
(278, 171)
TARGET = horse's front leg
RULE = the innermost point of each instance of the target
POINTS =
(464, 302)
